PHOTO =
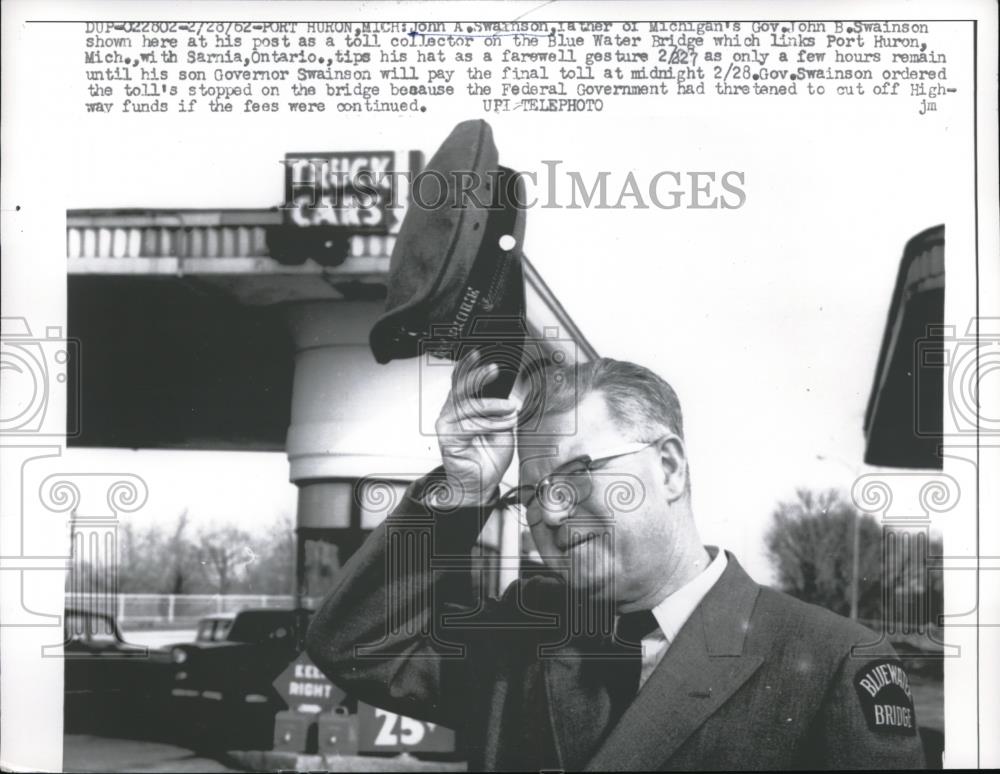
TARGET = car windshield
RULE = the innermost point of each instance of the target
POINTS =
(222, 628)
(205, 629)
(93, 628)
(213, 629)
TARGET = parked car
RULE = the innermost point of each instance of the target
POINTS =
(110, 684)
(222, 692)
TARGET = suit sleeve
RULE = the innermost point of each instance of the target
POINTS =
(379, 635)
(868, 720)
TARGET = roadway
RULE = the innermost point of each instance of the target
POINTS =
(84, 753)
(158, 638)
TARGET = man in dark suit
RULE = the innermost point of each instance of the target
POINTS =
(638, 648)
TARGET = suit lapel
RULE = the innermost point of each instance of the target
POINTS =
(576, 700)
(579, 704)
(702, 668)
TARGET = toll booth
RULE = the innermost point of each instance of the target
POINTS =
(903, 421)
(905, 434)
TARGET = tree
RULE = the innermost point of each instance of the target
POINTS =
(138, 572)
(163, 559)
(273, 571)
(810, 542)
(127, 558)
(155, 561)
(224, 553)
(181, 553)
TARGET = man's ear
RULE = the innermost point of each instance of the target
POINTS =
(673, 464)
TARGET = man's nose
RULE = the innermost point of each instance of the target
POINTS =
(553, 518)
(555, 514)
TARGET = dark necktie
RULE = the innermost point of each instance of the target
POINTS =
(632, 627)
(623, 675)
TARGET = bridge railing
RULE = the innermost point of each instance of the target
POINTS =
(184, 610)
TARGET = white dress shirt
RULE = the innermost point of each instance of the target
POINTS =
(672, 613)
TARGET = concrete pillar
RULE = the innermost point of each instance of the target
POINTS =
(352, 418)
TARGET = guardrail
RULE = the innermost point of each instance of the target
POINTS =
(176, 609)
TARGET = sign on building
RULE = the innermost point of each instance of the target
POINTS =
(381, 731)
(360, 191)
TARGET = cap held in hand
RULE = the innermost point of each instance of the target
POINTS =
(455, 278)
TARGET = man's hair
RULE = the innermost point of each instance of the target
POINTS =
(641, 403)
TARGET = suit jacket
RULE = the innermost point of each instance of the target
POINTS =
(754, 680)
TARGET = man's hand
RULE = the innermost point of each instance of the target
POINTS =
(476, 435)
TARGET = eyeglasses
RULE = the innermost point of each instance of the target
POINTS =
(570, 484)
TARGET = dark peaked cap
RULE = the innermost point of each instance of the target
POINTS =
(448, 271)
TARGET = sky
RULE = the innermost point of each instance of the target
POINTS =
(767, 319)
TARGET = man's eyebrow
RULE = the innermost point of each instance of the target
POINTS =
(555, 468)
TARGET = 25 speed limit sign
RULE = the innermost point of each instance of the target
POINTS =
(381, 731)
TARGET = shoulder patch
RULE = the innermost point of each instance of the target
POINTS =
(884, 691)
